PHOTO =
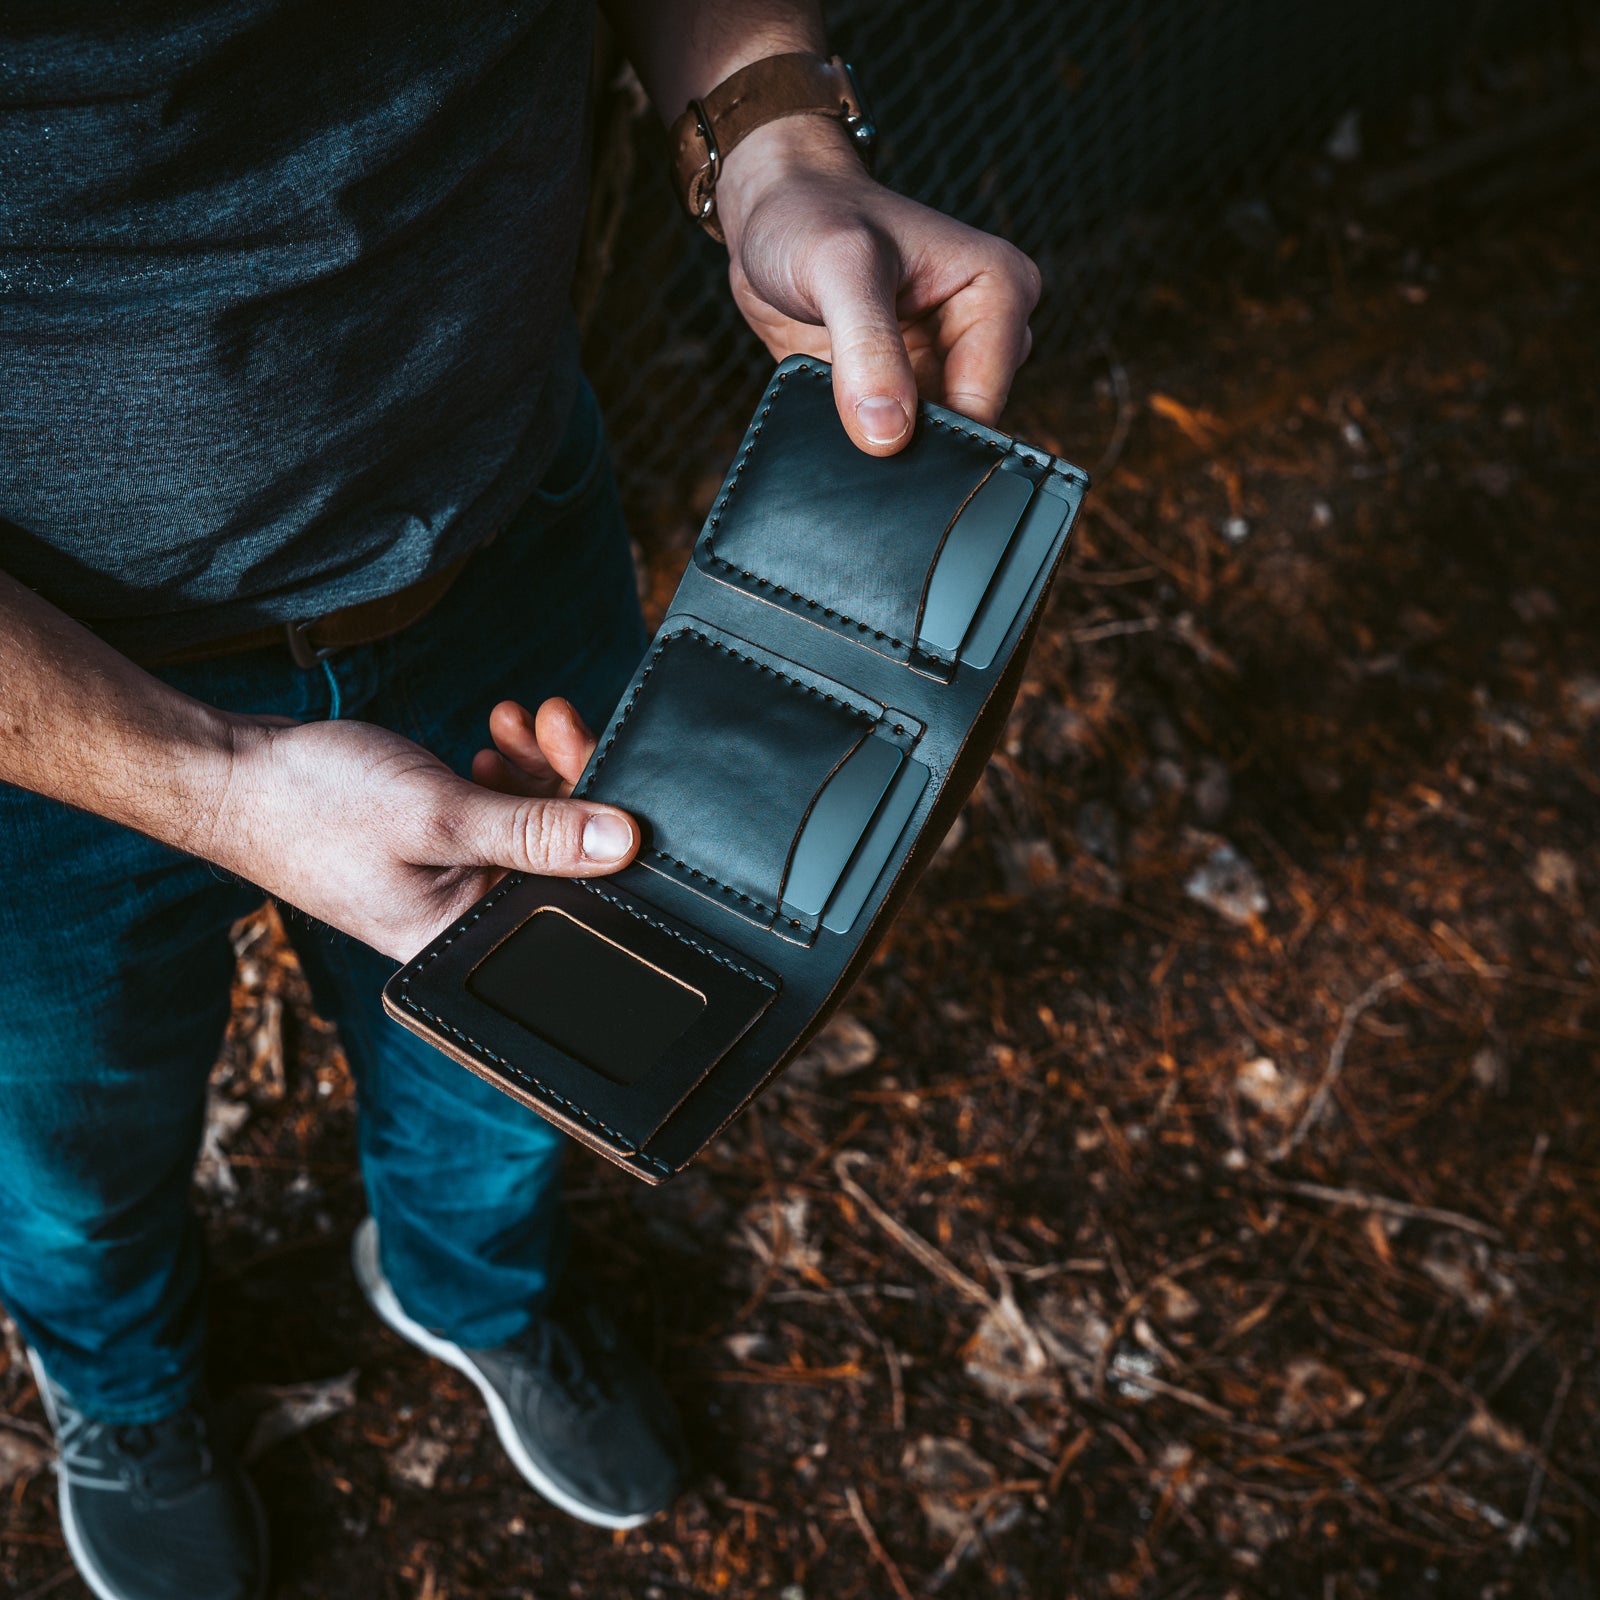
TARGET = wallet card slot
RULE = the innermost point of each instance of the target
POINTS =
(1028, 553)
(587, 995)
(969, 557)
(877, 845)
(838, 819)
(724, 752)
(809, 522)
(536, 1003)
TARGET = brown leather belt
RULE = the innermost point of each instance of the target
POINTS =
(315, 639)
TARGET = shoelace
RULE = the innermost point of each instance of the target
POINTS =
(565, 1347)
(162, 1457)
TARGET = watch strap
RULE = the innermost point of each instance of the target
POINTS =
(712, 127)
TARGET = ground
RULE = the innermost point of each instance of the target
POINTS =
(1198, 1197)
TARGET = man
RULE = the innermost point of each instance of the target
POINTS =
(299, 484)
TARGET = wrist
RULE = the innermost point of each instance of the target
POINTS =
(229, 766)
(797, 148)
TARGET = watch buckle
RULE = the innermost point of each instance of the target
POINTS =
(703, 185)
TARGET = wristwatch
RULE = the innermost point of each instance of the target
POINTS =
(779, 86)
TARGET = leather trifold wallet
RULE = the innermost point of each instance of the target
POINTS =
(830, 679)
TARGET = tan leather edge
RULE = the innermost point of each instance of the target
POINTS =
(568, 1126)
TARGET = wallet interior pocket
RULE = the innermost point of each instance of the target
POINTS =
(900, 553)
(756, 781)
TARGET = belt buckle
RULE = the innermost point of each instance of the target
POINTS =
(302, 652)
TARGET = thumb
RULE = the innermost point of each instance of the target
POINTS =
(552, 838)
(873, 384)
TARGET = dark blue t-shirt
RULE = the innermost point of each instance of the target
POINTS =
(283, 296)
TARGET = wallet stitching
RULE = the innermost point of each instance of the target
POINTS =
(532, 1082)
(760, 666)
(681, 937)
(778, 588)
(483, 1050)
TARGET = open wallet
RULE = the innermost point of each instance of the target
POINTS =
(832, 675)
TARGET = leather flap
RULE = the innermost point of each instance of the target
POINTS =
(812, 523)
(720, 750)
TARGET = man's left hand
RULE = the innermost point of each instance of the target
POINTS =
(901, 299)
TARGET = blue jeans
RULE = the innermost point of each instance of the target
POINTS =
(115, 968)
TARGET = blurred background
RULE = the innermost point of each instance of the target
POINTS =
(1197, 1198)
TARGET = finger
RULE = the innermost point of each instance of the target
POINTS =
(493, 771)
(873, 384)
(515, 736)
(564, 740)
(550, 837)
(992, 339)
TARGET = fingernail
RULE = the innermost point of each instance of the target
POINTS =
(882, 418)
(606, 837)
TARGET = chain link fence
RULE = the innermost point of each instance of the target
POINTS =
(1114, 140)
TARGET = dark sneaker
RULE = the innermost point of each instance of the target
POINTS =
(583, 1418)
(155, 1510)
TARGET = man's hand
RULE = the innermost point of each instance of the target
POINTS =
(366, 831)
(903, 300)
(823, 260)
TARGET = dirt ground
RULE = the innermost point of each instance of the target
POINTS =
(1199, 1197)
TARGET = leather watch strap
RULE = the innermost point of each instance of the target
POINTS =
(779, 86)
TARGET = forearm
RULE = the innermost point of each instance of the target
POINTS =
(682, 49)
(82, 724)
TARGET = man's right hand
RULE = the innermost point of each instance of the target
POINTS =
(352, 823)
(371, 834)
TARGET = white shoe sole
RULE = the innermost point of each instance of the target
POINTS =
(81, 1559)
(383, 1300)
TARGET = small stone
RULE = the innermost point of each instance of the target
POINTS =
(1061, 733)
(1555, 873)
(1581, 697)
(1164, 736)
(1321, 515)
(1028, 864)
(845, 1046)
(951, 1479)
(1535, 605)
(1212, 791)
(1006, 1361)
(1167, 777)
(1494, 478)
(952, 841)
(1270, 1091)
(1344, 143)
(1235, 530)
(1099, 832)
(418, 1460)
(1227, 884)
(1488, 1068)
(1173, 1303)
(1316, 1395)
(224, 1119)
(21, 1456)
